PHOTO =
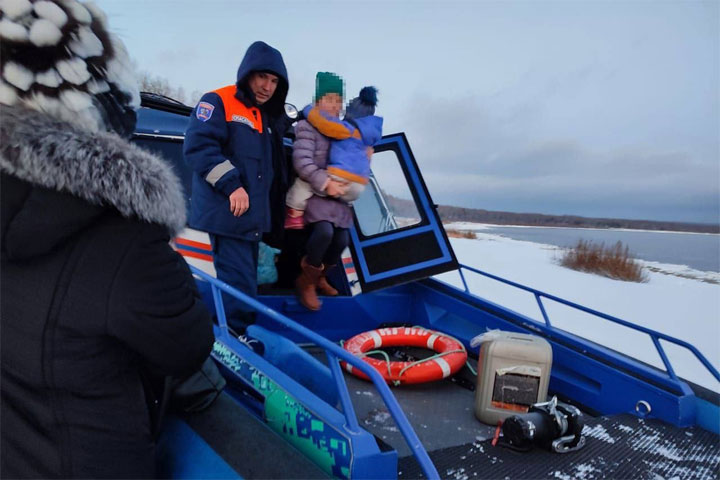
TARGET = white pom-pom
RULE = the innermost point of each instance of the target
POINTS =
(97, 13)
(44, 33)
(15, 8)
(73, 70)
(86, 44)
(75, 100)
(12, 31)
(78, 11)
(8, 95)
(17, 75)
(49, 78)
(50, 11)
(97, 86)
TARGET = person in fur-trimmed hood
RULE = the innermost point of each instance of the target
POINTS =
(93, 299)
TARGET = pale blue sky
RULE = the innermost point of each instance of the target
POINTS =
(606, 108)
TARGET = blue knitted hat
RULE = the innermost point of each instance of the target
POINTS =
(363, 105)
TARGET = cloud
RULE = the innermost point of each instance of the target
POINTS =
(567, 196)
(471, 156)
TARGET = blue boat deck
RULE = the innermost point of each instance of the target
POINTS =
(618, 446)
(441, 413)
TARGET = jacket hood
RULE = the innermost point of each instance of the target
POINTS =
(370, 128)
(86, 173)
(262, 57)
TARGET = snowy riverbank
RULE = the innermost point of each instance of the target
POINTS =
(678, 301)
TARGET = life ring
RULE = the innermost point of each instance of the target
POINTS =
(450, 359)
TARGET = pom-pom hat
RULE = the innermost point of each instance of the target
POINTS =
(58, 57)
(363, 105)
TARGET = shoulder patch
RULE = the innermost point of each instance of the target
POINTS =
(204, 111)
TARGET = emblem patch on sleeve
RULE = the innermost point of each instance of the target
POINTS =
(204, 111)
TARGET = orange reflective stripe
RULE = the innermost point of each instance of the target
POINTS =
(193, 243)
(236, 111)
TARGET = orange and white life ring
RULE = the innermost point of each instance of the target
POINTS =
(450, 359)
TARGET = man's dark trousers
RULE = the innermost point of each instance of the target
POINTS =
(236, 264)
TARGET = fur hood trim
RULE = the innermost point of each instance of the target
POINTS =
(101, 168)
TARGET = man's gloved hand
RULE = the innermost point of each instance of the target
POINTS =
(239, 202)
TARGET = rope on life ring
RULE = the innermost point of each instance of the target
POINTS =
(449, 358)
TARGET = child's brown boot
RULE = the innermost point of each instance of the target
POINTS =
(306, 284)
(323, 286)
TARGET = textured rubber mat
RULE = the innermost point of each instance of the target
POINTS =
(617, 447)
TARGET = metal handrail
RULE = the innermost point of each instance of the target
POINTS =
(654, 335)
(334, 353)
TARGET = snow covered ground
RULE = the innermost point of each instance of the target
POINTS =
(677, 300)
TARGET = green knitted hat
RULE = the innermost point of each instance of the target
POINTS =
(326, 82)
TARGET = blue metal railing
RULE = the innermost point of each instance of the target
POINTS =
(654, 335)
(334, 353)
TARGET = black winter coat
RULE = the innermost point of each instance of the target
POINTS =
(93, 299)
(283, 176)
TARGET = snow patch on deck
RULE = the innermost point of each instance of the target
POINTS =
(379, 418)
(598, 432)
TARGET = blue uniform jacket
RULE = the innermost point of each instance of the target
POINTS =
(228, 145)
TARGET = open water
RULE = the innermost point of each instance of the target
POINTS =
(696, 250)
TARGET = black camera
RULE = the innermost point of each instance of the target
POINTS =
(552, 425)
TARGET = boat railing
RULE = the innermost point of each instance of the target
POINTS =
(334, 354)
(654, 335)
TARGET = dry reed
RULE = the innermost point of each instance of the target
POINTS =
(613, 262)
(461, 234)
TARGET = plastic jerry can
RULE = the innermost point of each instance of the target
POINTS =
(513, 373)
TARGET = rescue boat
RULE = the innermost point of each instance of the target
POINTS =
(294, 407)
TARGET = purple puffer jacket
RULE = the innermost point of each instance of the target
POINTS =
(310, 155)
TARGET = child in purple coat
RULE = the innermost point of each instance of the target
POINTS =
(348, 162)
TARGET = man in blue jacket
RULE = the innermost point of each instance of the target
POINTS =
(232, 149)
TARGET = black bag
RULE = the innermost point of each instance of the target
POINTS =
(197, 391)
(189, 394)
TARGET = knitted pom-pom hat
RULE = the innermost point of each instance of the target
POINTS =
(58, 57)
(363, 105)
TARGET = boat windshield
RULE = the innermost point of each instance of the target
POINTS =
(387, 203)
